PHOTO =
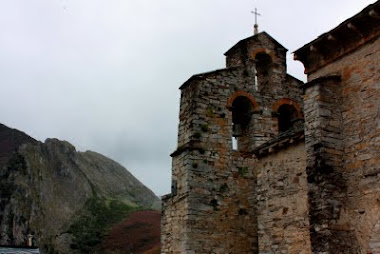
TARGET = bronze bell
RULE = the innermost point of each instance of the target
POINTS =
(237, 130)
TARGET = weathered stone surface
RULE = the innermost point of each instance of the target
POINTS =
(282, 190)
(215, 206)
(282, 207)
(342, 105)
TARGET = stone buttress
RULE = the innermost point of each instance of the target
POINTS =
(342, 110)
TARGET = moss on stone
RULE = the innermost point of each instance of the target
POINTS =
(204, 127)
(243, 171)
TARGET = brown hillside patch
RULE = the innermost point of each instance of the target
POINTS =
(139, 233)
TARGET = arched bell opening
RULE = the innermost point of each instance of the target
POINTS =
(263, 68)
(242, 111)
(287, 115)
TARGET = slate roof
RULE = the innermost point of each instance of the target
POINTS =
(346, 37)
(243, 41)
(282, 140)
(11, 250)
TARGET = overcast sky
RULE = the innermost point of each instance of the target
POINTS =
(104, 74)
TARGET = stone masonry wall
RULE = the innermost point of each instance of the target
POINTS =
(174, 217)
(174, 208)
(346, 140)
(283, 223)
(324, 160)
(222, 205)
(216, 181)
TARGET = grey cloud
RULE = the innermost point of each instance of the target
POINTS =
(104, 75)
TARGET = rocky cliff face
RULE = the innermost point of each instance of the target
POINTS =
(10, 140)
(49, 189)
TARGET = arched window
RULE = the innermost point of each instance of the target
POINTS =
(287, 114)
(241, 118)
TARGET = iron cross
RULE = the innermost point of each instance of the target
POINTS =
(256, 14)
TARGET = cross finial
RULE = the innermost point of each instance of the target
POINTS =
(256, 30)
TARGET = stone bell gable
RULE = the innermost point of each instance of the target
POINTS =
(255, 76)
(224, 116)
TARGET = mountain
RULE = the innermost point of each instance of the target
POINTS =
(10, 140)
(67, 199)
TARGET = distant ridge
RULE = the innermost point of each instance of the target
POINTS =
(67, 199)
(10, 141)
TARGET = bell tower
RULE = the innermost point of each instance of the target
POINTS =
(213, 204)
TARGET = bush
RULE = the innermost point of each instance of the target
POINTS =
(95, 220)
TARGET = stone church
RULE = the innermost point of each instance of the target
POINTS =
(268, 164)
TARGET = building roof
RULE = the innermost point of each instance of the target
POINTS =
(254, 37)
(15, 250)
(282, 140)
(241, 43)
(341, 40)
(204, 75)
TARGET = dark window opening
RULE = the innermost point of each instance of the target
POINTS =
(263, 70)
(241, 118)
(174, 187)
(287, 115)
